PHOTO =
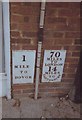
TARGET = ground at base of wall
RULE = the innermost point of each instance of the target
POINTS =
(50, 107)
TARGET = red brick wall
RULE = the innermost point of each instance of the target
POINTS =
(61, 31)
(24, 25)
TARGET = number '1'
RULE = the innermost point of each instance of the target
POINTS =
(23, 57)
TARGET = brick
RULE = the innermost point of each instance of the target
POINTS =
(31, 19)
(72, 65)
(67, 47)
(24, 4)
(53, 5)
(54, 20)
(69, 54)
(48, 47)
(29, 47)
(66, 65)
(56, 84)
(16, 46)
(28, 91)
(51, 34)
(27, 41)
(23, 10)
(26, 19)
(15, 34)
(56, 27)
(34, 19)
(48, 41)
(27, 27)
(73, 21)
(53, 90)
(23, 86)
(54, 94)
(35, 4)
(80, 14)
(72, 35)
(48, 34)
(13, 26)
(69, 12)
(17, 19)
(81, 35)
(14, 40)
(51, 12)
(78, 41)
(76, 54)
(72, 48)
(70, 80)
(14, 8)
(65, 12)
(61, 27)
(69, 70)
(16, 3)
(49, 26)
(58, 34)
(30, 34)
(72, 60)
(74, 5)
(17, 91)
(73, 27)
(64, 41)
(70, 75)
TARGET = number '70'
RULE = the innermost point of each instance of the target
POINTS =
(57, 54)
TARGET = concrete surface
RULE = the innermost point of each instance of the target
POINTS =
(50, 107)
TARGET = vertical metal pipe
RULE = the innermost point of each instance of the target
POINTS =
(1, 40)
(6, 28)
(41, 25)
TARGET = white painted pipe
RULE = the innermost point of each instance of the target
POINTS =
(1, 39)
(38, 69)
(42, 14)
(6, 27)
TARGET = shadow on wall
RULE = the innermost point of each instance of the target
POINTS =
(76, 93)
